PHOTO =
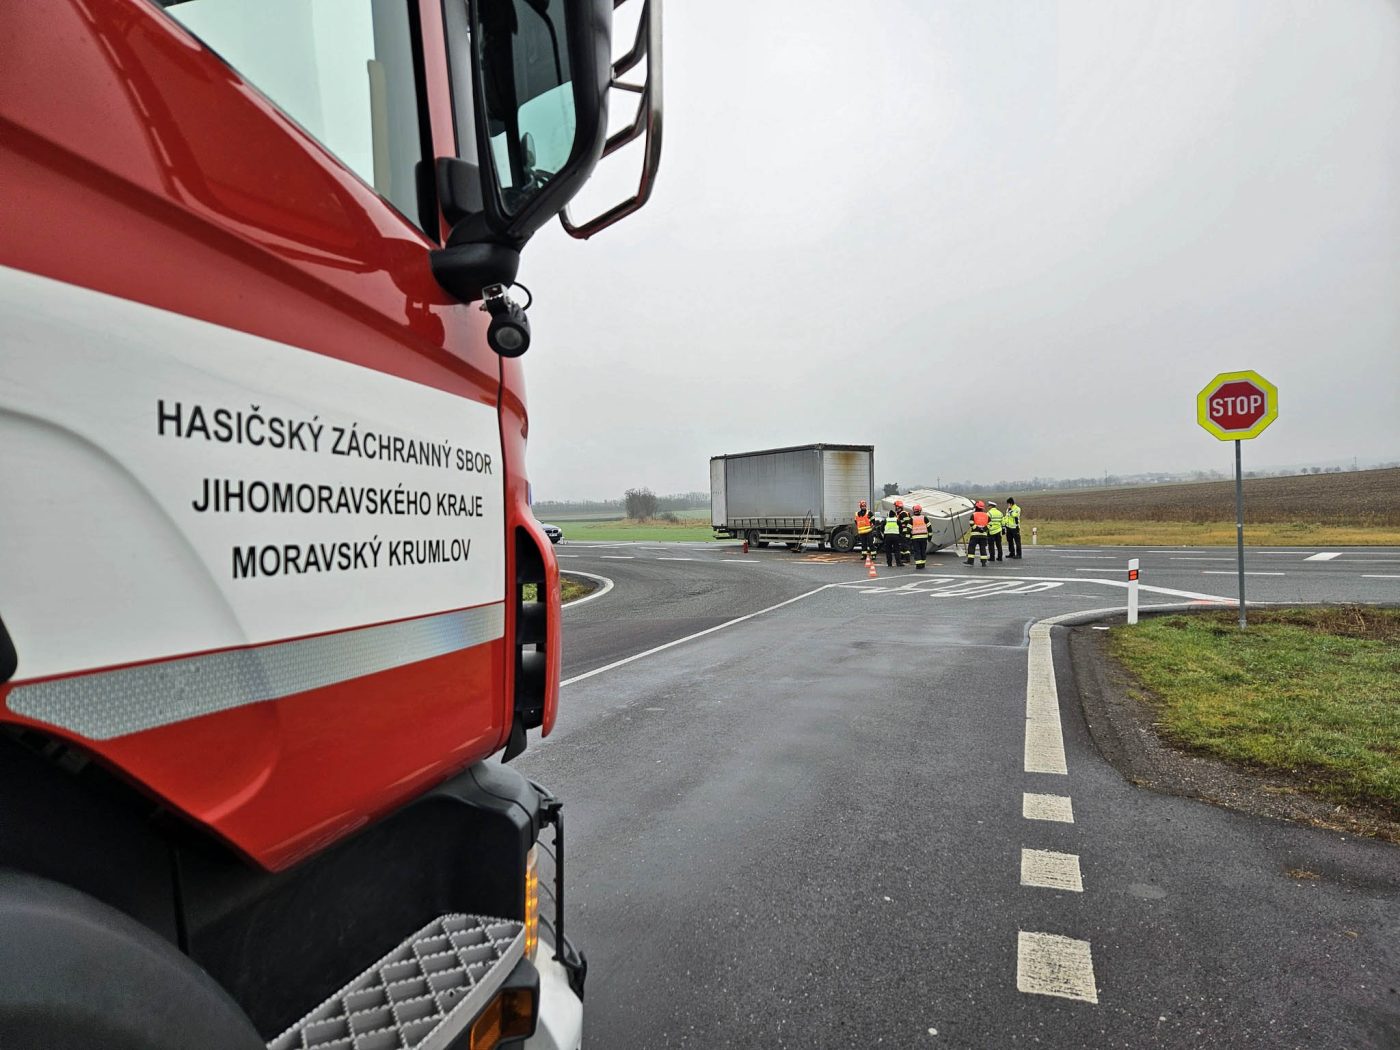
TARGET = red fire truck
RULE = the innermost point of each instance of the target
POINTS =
(265, 535)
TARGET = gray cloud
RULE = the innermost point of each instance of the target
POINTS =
(994, 240)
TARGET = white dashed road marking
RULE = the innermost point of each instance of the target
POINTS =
(1232, 572)
(1377, 576)
(1047, 807)
(618, 557)
(1045, 745)
(1049, 870)
(1324, 556)
(1048, 964)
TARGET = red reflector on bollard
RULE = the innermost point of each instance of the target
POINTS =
(1132, 574)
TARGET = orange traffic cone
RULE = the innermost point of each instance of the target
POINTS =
(870, 567)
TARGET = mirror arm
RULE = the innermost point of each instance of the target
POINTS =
(648, 120)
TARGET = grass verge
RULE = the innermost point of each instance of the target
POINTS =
(684, 529)
(1313, 693)
(568, 590)
(1207, 534)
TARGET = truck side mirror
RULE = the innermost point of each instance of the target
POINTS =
(530, 81)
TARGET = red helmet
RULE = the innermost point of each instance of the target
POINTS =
(899, 503)
(918, 509)
(981, 505)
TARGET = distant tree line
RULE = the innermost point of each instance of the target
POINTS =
(664, 504)
(1043, 484)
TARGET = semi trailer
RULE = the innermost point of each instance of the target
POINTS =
(265, 535)
(801, 495)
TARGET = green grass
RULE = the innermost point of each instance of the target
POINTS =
(1206, 534)
(568, 590)
(687, 529)
(1311, 692)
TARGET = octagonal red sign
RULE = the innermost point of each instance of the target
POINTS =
(1238, 405)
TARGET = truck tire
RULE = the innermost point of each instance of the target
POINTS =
(752, 537)
(76, 974)
(842, 540)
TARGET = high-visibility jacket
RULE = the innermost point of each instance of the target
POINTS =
(891, 526)
(1013, 517)
(979, 521)
(863, 521)
(918, 527)
(994, 521)
(904, 522)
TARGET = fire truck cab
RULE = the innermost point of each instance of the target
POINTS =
(272, 599)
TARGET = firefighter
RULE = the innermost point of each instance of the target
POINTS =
(996, 521)
(865, 529)
(1012, 526)
(891, 540)
(905, 529)
(977, 534)
(918, 537)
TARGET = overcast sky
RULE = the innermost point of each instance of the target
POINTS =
(994, 239)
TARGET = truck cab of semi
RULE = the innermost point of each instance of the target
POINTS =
(265, 532)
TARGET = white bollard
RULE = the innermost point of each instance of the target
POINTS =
(1034, 540)
(1132, 590)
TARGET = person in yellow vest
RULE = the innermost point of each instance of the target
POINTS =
(865, 529)
(918, 537)
(995, 521)
(977, 532)
(893, 539)
(1012, 527)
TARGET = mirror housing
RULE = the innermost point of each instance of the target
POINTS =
(488, 49)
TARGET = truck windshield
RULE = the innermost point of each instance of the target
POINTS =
(342, 70)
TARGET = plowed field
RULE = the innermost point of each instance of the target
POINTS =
(1365, 498)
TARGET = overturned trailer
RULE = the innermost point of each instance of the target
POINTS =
(949, 515)
(802, 495)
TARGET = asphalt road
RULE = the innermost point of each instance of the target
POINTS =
(809, 828)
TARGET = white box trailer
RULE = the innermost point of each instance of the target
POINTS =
(949, 515)
(802, 495)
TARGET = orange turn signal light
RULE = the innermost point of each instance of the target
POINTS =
(511, 1015)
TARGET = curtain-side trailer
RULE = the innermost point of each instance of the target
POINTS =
(800, 495)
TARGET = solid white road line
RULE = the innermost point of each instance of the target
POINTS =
(1046, 869)
(1325, 556)
(1045, 745)
(1199, 557)
(690, 637)
(604, 585)
(1047, 807)
(1048, 964)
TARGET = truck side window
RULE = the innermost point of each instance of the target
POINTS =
(342, 70)
(528, 88)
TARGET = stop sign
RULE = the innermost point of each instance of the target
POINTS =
(1237, 405)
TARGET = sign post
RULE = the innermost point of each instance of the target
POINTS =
(1132, 590)
(1237, 406)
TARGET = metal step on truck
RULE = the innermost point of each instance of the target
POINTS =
(804, 495)
(273, 606)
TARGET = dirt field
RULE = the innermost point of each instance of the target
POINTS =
(1365, 497)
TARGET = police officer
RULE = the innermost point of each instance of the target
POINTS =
(918, 537)
(893, 536)
(996, 521)
(1012, 527)
(977, 533)
(865, 529)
